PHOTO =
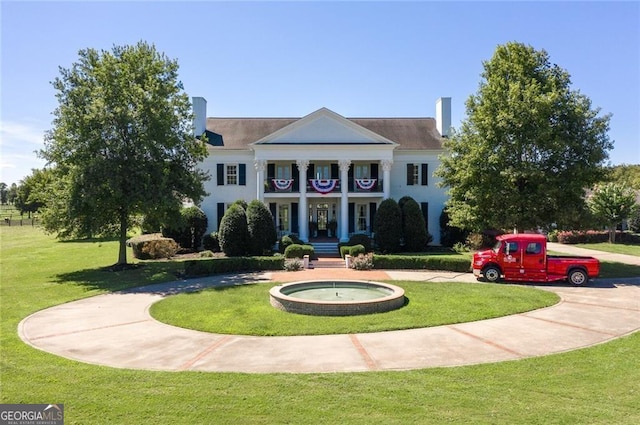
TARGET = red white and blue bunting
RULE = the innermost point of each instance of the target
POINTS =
(323, 185)
(282, 184)
(365, 184)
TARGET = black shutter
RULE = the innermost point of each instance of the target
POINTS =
(335, 171)
(352, 217)
(424, 206)
(272, 208)
(295, 175)
(294, 218)
(409, 174)
(243, 174)
(425, 174)
(372, 215)
(220, 174)
(350, 183)
(220, 213)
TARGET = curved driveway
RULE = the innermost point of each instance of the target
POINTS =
(116, 330)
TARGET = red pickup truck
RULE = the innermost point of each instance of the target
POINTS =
(523, 257)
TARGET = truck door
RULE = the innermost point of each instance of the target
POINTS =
(533, 261)
(511, 260)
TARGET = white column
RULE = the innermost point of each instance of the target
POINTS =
(344, 199)
(303, 209)
(386, 177)
(259, 165)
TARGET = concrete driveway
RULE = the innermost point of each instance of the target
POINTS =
(116, 330)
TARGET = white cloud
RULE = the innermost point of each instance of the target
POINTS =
(14, 134)
(19, 141)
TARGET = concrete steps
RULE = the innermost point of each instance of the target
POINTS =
(328, 263)
(324, 249)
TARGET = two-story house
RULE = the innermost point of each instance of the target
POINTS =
(323, 175)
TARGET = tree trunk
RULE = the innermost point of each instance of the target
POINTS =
(122, 253)
(612, 234)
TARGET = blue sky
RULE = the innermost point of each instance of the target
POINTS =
(359, 59)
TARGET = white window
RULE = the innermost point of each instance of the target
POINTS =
(361, 219)
(283, 218)
(323, 171)
(232, 174)
(416, 174)
(362, 171)
(283, 172)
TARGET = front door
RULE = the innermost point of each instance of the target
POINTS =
(322, 214)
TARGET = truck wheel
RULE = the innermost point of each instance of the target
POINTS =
(577, 277)
(491, 274)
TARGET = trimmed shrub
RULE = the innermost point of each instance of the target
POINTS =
(298, 251)
(262, 230)
(596, 236)
(357, 250)
(207, 254)
(414, 230)
(152, 247)
(233, 233)
(209, 266)
(422, 262)
(287, 240)
(211, 242)
(189, 228)
(361, 239)
(388, 226)
(344, 250)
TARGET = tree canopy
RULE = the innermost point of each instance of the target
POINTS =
(121, 143)
(528, 149)
(612, 203)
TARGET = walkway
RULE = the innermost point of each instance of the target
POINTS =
(116, 330)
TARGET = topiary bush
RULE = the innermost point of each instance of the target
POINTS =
(262, 230)
(233, 233)
(298, 251)
(188, 229)
(387, 226)
(152, 247)
(414, 231)
(356, 250)
(287, 240)
(361, 239)
(211, 242)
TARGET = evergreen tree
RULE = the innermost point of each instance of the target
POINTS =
(262, 230)
(387, 226)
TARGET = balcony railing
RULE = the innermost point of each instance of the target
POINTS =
(323, 186)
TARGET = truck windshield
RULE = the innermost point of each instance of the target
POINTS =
(496, 247)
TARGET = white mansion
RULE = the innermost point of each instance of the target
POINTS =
(323, 175)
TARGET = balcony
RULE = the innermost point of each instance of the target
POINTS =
(323, 186)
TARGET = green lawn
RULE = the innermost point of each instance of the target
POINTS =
(617, 248)
(598, 385)
(246, 310)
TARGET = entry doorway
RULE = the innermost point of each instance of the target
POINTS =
(322, 216)
(322, 220)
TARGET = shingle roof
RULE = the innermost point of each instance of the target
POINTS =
(409, 133)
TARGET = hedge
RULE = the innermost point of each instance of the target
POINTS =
(596, 236)
(422, 262)
(206, 267)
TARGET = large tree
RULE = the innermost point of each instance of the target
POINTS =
(528, 148)
(121, 143)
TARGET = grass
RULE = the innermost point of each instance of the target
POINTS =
(598, 385)
(616, 248)
(245, 310)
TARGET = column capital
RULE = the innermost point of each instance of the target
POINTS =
(303, 164)
(259, 164)
(344, 164)
(386, 164)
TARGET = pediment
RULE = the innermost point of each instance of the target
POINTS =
(324, 127)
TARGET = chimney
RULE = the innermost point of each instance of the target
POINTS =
(443, 116)
(199, 116)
